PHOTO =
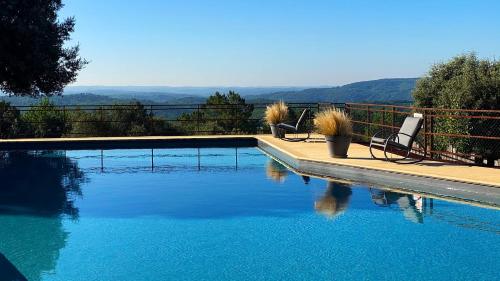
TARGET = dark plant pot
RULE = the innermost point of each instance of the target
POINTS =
(277, 132)
(338, 145)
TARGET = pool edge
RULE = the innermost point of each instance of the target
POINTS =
(473, 192)
(469, 191)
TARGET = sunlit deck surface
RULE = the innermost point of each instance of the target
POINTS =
(359, 156)
(473, 183)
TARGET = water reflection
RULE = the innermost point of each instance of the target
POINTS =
(335, 200)
(42, 183)
(37, 190)
(276, 171)
(412, 205)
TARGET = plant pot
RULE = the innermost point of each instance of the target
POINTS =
(338, 145)
(277, 132)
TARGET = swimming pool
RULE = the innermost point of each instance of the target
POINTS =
(226, 214)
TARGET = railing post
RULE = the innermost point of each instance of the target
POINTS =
(237, 118)
(426, 126)
(368, 125)
(64, 116)
(310, 125)
(198, 120)
(393, 113)
(151, 116)
(431, 136)
(383, 118)
(101, 117)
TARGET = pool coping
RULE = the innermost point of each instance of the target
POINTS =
(128, 142)
(478, 193)
(443, 187)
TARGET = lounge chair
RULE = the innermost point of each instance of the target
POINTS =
(401, 141)
(295, 129)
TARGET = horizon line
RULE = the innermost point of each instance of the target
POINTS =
(236, 86)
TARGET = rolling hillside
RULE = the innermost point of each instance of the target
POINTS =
(397, 89)
(383, 90)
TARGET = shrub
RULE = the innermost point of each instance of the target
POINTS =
(88, 124)
(464, 82)
(10, 120)
(276, 113)
(333, 122)
(46, 120)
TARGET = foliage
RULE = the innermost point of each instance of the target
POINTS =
(33, 56)
(133, 120)
(333, 122)
(10, 120)
(221, 113)
(119, 120)
(88, 124)
(464, 82)
(397, 89)
(276, 113)
(46, 120)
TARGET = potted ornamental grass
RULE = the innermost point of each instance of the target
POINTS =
(336, 126)
(275, 114)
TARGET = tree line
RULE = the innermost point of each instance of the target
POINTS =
(221, 113)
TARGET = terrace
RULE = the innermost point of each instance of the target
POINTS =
(448, 173)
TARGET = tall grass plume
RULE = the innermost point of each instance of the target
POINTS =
(333, 122)
(276, 113)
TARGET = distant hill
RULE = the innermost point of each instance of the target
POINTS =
(394, 89)
(166, 93)
(383, 90)
(77, 99)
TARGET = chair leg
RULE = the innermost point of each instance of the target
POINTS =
(371, 152)
(398, 159)
(422, 157)
(408, 152)
(296, 139)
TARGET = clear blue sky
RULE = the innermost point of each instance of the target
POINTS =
(275, 42)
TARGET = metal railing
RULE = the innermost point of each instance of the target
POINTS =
(151, 119)
(465, 136)
(455, 135)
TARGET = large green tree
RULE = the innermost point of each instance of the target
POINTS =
(230, 111)
(33, 58)
(464, 82)
(221, 113)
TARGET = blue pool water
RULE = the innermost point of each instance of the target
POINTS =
(225, 214)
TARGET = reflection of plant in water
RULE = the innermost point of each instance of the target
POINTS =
(40, 184)
(276, 171)
(32, 244)
(335, 200)
(36, 190)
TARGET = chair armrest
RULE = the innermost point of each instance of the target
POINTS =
(375, 139)
(375, 135)
(393, 137)
(286, 127)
